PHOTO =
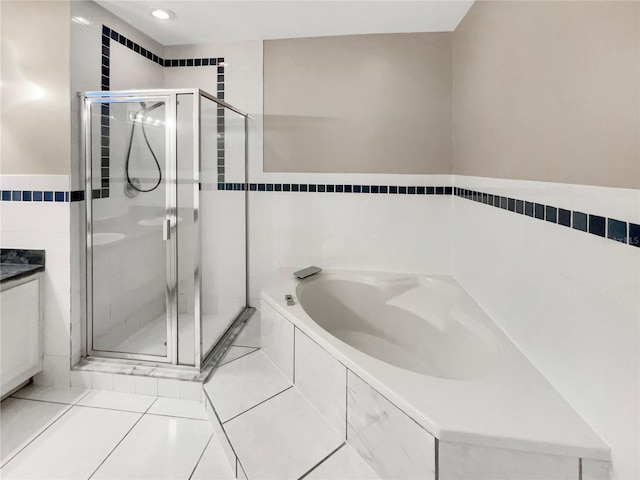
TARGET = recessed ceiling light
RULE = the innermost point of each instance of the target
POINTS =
(162, 13)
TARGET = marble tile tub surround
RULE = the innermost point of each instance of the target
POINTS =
(460, 411)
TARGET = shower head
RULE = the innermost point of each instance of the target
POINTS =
(152, 107)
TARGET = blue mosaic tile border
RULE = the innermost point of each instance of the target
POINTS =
(109, 35)
(54, 196)
(611, 228)
(338, 188)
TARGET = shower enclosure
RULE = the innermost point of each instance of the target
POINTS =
(166, 224)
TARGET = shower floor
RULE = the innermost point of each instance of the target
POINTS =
(151, 339)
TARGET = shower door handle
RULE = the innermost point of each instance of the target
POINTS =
(166, 230)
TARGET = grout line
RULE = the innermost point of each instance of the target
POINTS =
(122, 439)
(293, 375)
(579, 468)
(195, 467)
(346, 404)
(38, 435)
(321, 461)
(50, 401)
(177, 416)
(237, 358)
(257, 404)
(436, 448)
(224, 432)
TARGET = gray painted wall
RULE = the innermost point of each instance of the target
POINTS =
(361, 103)
(548, 91)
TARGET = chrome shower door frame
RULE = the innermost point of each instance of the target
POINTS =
(170, 101)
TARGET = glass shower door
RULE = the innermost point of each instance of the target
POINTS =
(131, 236)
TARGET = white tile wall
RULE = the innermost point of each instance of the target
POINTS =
(45, 226)
(595, 470)
(405, 233)
(568, 299)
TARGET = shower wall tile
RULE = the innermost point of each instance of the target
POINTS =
(458, 461)
(277, 337)
(322, 380)
(392, 444)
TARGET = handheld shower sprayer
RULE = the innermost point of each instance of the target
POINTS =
(133, 185)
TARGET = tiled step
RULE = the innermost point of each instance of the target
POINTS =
(269, 429)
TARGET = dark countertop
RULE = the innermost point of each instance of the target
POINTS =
(13, 272)
(16, 263)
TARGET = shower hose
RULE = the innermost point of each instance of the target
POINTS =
(140, 114)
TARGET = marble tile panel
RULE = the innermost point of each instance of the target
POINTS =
(391, 443)
(63, 450)
(243, 384)
(322, 380)
(51, 394)
(22, 420)
(595, 470)
(178, 408)
(345, 463)
(276, 335)
(158, 448)
(282, 438)
(462, 461)
(117, 401)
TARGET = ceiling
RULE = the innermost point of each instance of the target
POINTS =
(215, 20)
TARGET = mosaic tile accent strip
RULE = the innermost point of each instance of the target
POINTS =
(338, 188)
(610, 228)
(35, 196)
(109, 35)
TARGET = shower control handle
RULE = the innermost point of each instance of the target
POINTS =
(166, 230)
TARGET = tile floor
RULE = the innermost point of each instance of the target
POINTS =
(275, 432)
(53, 433)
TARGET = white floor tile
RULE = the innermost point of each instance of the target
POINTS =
(282, 438)
(117, 401)
(178, 408)
(22, 420)
(51, 394)
(345, 463)
(244, 383)
(214, 464)
(158, 447)
(73, 447)
(235, 352)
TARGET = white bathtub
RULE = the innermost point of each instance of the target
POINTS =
(425, 345)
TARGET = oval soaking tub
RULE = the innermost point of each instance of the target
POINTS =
(426, 346)
(419, 324)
